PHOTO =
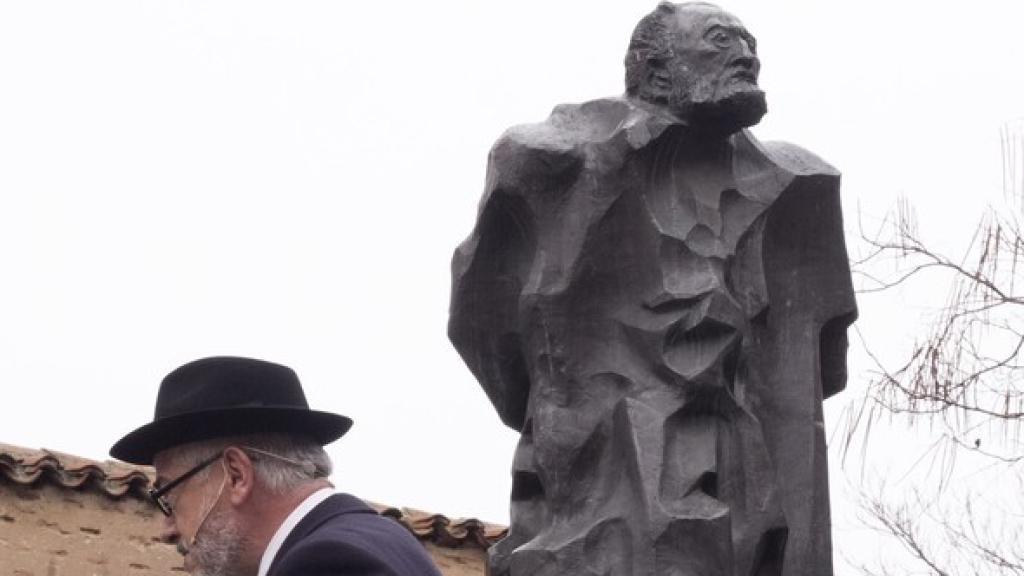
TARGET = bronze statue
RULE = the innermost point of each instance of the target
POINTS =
(658, 302)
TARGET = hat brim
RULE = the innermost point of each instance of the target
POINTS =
(142, 444)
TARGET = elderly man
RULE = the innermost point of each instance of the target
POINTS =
(658, 303)
(242, 479)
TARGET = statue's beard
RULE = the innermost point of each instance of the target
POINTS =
(716, 108)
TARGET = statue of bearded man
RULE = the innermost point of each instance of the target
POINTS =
(658, 303)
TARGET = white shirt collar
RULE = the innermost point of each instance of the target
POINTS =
(289, 524)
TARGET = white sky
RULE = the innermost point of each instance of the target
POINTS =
(287, 180)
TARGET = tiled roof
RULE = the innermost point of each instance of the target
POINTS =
(27, 467)
(444, 532)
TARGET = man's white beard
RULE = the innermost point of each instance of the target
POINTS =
(218, 547)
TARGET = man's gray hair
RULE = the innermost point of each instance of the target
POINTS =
(281, 462)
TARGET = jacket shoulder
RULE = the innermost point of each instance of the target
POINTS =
(352, 539)
(325, 557)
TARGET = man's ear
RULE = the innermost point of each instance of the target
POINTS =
(241, 475)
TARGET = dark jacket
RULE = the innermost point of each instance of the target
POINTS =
(342, 536)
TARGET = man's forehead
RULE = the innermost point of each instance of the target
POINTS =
(164, 465)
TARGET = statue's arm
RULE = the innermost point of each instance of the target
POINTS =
(807, 242)
(492, 267)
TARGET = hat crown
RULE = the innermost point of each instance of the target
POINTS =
(225, 396)
(228, 382)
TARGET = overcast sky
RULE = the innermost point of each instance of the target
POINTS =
(288, 180)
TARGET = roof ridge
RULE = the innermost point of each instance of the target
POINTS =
(26, 467)
(29, 467)
(443, 531)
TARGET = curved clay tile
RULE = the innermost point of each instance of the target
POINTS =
(438, 529)
(27, 467)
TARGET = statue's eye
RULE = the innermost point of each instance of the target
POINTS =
(721, 38)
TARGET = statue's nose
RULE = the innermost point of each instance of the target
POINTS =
(746, 48)
(747, 58)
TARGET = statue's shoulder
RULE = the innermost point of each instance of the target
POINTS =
(572, 125)
(561, 144)
(796, 160)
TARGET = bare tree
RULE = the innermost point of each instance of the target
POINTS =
(964, 376)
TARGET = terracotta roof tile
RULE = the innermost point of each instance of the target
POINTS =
(27, 467)
(442, 531)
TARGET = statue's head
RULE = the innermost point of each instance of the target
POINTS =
(700, 63)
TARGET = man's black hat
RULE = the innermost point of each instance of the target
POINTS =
(227, 396)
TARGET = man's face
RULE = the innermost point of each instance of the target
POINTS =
(204, 530)
(715, 68)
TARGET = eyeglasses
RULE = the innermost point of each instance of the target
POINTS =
(157, 494)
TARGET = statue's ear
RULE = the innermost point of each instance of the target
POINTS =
(659, 81)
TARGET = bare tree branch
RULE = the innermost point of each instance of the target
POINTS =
(966, 373)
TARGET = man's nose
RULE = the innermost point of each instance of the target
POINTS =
(169, 533)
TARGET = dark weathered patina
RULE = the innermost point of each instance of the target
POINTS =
(658, 302)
